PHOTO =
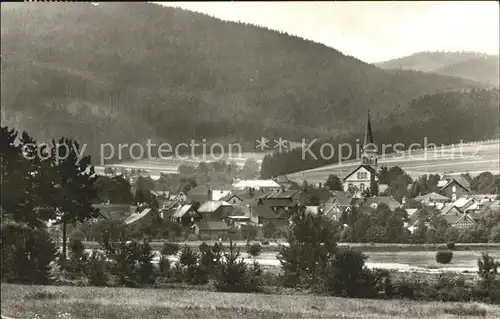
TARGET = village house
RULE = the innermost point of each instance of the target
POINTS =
(337, 204)
(452, 188)
(371, 203)
(215, 210)
(186, 214)
(114, 211)
(433, 199)
(146, 216)
(211, 229)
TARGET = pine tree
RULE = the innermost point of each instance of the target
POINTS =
(75, 190)
(311, 243)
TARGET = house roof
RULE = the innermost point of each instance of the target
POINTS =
(411, 211)
(313, 210)
(464, 202)
(387, 200)
(322, 194)
(289, 194)
(202, 190)
(181, 211)
(274, 202)
(211, 225)
(455, 218)
(114, 211)
(451, 181)
(367, 167)
(448, 207)
(264, 211)
(211, 206)
(343, 198)
(159, 193)
(257, 183)
(431, 197)
(459, 178)
(136, 217)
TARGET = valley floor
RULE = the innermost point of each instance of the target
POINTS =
(23, 301)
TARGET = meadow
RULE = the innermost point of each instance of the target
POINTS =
(471, 158)
(23, 301)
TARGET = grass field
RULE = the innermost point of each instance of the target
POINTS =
(19, 301)
(472, 158)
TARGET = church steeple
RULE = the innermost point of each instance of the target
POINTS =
(369, 153)
(368, 132)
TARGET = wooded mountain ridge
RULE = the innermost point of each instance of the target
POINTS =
(468, 65)
(126, 72)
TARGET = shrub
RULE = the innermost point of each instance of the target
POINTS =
(488, 267)
(164, 266)
(444, 257)
(269, 230)
(188, 257)
(254, 250)
(26, 254)
(145, 257)
(450, 246)
(124, 257)
(169, 249)
(347, 275)
(96, 269)
(265, 242)
(233, 274)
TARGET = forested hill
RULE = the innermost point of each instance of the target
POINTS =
(469, 65)
(125, 72)
(442, 119)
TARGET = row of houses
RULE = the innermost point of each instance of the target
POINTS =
(211, 211)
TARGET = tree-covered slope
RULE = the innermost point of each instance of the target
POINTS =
(125, 72)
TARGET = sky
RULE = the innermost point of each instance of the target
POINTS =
(372, 31)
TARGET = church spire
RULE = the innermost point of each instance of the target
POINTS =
(368, 133)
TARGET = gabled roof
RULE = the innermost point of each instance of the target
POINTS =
(455, 218)
(263, 211)
(289, 194)
(181, 211)
(257, 183)
(274, 202)
(211, 225)
(136, 217)
(451, 181)
(431, 197)
(390, 201)
(448, 207)
(411, 211)
(464, 202)
(367, 167)
(343, 198)
(313, 210)
(459, 178)
(211, 206)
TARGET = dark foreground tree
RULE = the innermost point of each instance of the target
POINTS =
(312, 242)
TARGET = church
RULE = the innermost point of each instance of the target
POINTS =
(365, 176)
